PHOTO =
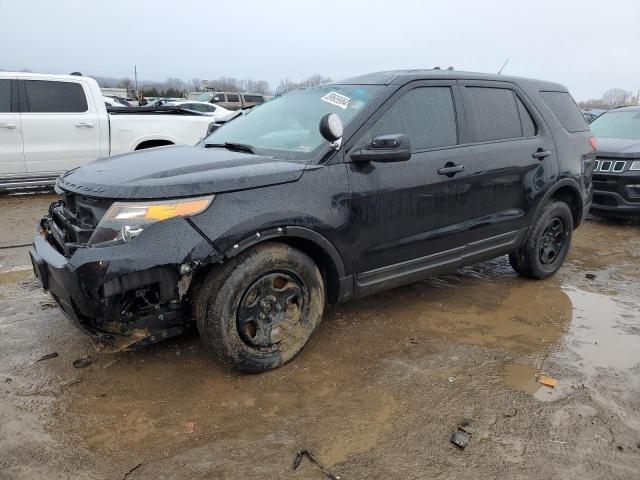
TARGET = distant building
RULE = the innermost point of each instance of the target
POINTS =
(114, 92)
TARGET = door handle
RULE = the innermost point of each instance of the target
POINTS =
(541, 154)
(9, 126)
(84, 125)
(450, 169)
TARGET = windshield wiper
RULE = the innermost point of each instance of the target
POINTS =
(238, 147)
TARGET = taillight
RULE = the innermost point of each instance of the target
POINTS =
(593, 143)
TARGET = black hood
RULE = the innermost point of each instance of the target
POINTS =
(180, 171)
(618, 148)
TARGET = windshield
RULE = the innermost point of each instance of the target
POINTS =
(617, 125)
(288, 127)
(204, 97)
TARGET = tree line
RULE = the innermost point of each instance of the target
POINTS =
(176, 87)
(615, 97)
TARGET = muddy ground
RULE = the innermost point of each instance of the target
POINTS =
(376, 394)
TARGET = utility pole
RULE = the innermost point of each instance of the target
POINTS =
(135, 76)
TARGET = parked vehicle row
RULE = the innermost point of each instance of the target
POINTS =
(322, 195)
(53, 123)
(215, 111)
(232, 100)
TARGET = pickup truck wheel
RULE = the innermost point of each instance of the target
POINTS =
(257, 311)
(547, 244)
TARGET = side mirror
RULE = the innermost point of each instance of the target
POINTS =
(331, 129)
(384, 148)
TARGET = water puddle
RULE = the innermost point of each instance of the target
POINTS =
(524, 379)
(604, 333)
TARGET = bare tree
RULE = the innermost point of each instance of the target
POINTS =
(194, 84)
(286, 84)
(256, 86)
(125, 83)
(616, 97)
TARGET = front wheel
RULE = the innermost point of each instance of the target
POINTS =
(258, 310)
(547, 244)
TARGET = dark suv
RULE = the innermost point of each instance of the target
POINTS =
(616, 178)
(325, 194)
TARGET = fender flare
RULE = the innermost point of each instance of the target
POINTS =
(565, 182)
(291, 232)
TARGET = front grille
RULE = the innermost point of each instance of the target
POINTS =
(72, 220)
(607, 165)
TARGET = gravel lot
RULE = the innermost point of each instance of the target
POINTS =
(376, 394)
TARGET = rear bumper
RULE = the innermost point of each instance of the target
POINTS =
(119, 302)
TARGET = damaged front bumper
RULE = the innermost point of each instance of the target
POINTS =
(128, 295)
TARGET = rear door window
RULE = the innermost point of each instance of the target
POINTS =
(425, 114)
(5, 96)
(55, 97)
(232, 98)
(492, 113)
(566, 111)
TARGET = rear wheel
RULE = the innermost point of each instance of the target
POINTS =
(258, 310)
(548, 243)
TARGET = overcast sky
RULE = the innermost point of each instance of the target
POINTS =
(588, 45)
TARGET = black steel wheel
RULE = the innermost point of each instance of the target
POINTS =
(547, 244)
(259, 309)
(552, 242)
(274, 304)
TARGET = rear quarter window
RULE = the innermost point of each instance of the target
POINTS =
(565, 110)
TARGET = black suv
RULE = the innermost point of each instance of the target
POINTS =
(616, 178)
(325, 194)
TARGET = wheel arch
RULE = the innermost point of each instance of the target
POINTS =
(157, 142)
(568, 191)
(338, 284)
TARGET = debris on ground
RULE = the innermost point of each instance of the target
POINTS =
(71, 382)
(189, 426)
(590, 276)
(46, 357)
(452, 379)
(412, 340)
(107, 365)
(8, 380)
(511, 414)
(546, 380)
(82, 362)
(132, 470)
(47, 305)
(460, 438)
(306, 453)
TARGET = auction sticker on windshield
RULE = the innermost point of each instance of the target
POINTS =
(334, 98)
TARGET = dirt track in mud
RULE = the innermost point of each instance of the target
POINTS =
(376, 394)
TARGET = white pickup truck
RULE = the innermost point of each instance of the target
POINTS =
(52, 123)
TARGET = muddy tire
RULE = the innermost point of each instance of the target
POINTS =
(257, 311)
(547, 244)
